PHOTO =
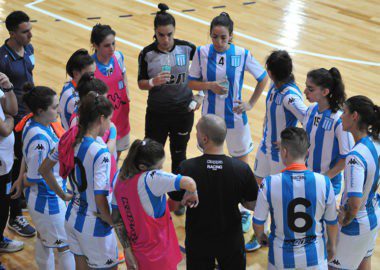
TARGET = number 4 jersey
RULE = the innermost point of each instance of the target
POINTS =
(298, 201)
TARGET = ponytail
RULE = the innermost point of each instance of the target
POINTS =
(369, 114)
(88, 83)
(92, 107)
(142, 152)
(332, 80)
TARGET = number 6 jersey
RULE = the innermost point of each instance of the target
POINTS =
(298, 201)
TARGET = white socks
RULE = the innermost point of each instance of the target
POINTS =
(44, 256)
(66, 260)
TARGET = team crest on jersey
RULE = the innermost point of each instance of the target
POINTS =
(279, 99)
(327, 123)
(180, 59)
(235, 60)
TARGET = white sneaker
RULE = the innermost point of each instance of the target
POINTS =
(8, 245)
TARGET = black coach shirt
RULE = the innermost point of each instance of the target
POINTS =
(175, 95)
(222, 183)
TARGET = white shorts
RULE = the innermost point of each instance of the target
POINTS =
(265, 166)
(100, 252)
(322, 266)
(239, 141)
(50, 227)
(123, 143)
(352, 249)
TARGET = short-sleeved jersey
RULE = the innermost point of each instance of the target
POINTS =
(175, 95)
(222, 183)
(6, 146)
(361, 179)
(68, 102)
(328, 142)
(152, 187)
(38, 140)
(108, 69)
(298, 203)
(90, 177)
(210, 65)
(284, 108)
(19, 70)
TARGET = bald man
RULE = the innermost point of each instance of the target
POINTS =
(213, 229)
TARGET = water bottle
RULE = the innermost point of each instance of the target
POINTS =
(226, 85)
(166, 65)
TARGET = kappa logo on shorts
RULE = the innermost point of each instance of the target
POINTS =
(180, 59)
(336, 262)
(39, 147)
(235, 60)
(109, 261)
(58, 242)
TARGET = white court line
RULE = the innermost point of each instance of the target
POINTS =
(276, 46)
(121, 40)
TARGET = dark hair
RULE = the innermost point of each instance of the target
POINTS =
(100, 32)
(37, 97)
(146, 152)
(79, 60)
(91, 108)
(369, 114)
(223, 19)
(332, 80)
(14, 19)
(162, 17)
(296, 141)
(88, 83)
(280, 65)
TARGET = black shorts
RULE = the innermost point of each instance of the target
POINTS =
(227, 251)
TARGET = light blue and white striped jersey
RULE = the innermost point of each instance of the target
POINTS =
(38, 140)
(298, 202)
(284, 108)
(361, 179)
(152, 188)
(90, 177)
(328, 142)
(68, 101)
(210, 65)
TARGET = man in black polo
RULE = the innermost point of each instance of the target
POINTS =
(17, 62)
(213, 228)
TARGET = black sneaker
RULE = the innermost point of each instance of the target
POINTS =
(21, 226)
(180, 211)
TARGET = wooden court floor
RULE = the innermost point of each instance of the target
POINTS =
(318, 33)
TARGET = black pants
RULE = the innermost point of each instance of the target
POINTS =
(158, 126)
(16, 203)
(4, 202)
(227, 250)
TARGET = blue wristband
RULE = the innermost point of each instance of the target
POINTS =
(113, 132)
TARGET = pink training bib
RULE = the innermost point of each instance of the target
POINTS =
(117, 94)
(153, 240)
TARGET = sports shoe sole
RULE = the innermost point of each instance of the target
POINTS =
(21, 234)
(11, 250)
(253, 249)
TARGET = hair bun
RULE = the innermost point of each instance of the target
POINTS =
(224, 14)
(28, 87)
(163, 7)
